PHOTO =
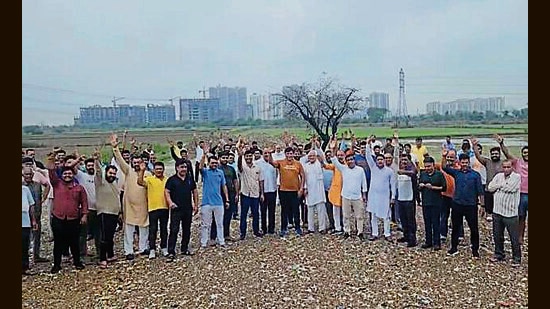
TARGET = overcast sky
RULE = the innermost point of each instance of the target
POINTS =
(81, 53)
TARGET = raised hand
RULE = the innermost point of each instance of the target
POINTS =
(170, 142)
(114, 140)
(142, 166)
(498, 138)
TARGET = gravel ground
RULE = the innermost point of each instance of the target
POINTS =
(313, 271)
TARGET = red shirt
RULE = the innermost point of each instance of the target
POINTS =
(67, 198)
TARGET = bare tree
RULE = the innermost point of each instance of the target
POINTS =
(322, 106)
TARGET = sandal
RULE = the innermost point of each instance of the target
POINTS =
(103, 264)
(112, 259)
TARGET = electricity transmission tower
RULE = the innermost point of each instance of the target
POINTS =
(402, 105)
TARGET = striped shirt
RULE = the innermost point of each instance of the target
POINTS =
(506, 194)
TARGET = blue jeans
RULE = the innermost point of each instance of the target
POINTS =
(523, 205)
(254, 204)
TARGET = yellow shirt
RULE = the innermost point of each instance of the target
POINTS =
(419, 153)
(155, 192)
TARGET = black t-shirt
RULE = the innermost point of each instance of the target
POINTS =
(432, 197)
(181, 190)
(230, 175)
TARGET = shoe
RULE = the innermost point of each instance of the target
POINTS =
(129, 257)
(388, 238)
(112, 259)
(516, 263)
(338, 233)
(496, 259)
(283, 233)
(452, 252)
(79, 266)
(164, 252)
(437, 247)
(55, 269)
(361, 236)
(103, 264)
(242, 237)
(259, 235)
(443, 239)
(299, 232)
(489, 218)
(412, 244)
(373, 238)
(188, 253)
(40, 259)
(402, 239)
(171, 257)
(475, 254)
(152, 254)
(425, 246)
(346, 235)
(145, 252)
(323, 232)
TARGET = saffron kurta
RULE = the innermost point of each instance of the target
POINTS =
(135, 196)
(335, 191)
(382, 188)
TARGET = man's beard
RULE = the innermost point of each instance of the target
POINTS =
(495, 159)
(110, 179)
(90, 171)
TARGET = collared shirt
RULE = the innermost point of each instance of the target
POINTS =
(198, 154)
(506, 194)
(250, 180)
(88, 182)
(270, 175)
(467, 186)
(492, 167)
(448, 146)
(353, 181)
(27, 202)
(419, 153)
(69, 199)
(181, 191)
(362, 160)
(155, 192)
(432, 197)
(212, 182)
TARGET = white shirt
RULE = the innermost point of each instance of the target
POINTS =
(354, 181)
(27, 201)
(375, 143)
(88, 182)
(314, 183)
(506, 194)
(404, 188)
(270, 175)
(278, 156)
(198, 154)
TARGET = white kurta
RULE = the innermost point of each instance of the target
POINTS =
(314, 183)
(382, 188)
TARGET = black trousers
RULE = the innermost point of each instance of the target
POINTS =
(26, 233)
(446, 206)
(227, 215)
(431, 215)
(458, 214)
(180, 216)
(197, 171)
(65, 235)
(267, 210)
(489, 200)
(107, 227)
(512, 225)
(289, 209)
(407, 214)
(156, 217)
(303, 209)
(330, 214)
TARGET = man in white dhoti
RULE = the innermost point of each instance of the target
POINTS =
(381, 193)
(314, 192)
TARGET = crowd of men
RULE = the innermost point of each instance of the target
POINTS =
(345, 190)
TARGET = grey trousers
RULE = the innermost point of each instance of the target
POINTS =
(512, 225)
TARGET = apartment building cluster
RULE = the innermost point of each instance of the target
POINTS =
(494, 104)
(126, 114)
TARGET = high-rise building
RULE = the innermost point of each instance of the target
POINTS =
(120, 114)
(232, 101)
(494, 104)
(379, 100)
(200, 109)
(265, 107)
(161, 113)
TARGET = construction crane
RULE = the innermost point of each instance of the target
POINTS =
(203, 91)
(115, 99)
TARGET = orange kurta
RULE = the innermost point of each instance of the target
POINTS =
(335, 191)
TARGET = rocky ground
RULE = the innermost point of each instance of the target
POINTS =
(313, 271)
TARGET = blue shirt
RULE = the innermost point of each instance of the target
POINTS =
(360, 160)
(467, 186)
(327, 178)
(27, 201)
(212, 182)
(448, 146)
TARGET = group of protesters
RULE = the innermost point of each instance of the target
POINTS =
(345, 189)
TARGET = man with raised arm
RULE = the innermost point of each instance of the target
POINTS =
(381, 193)
(252, 191)
(134, 203)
